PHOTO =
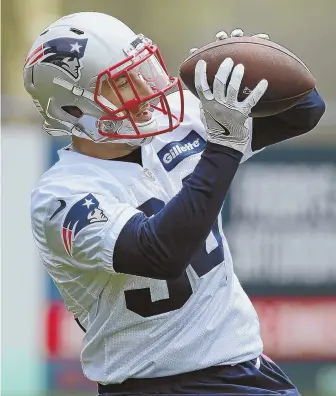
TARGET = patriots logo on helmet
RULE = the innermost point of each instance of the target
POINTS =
(81, 215)
(64, 53)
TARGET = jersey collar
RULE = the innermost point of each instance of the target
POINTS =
(66, 155)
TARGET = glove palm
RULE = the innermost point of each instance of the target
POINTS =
(224, 117)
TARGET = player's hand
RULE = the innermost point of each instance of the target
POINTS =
(222, 35)
(238, 33)
(224, 117)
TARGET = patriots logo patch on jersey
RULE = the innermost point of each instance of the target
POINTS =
(82, 214)
(174, 152)
(63, 53)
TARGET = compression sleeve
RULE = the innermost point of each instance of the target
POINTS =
(162, 246)
(300, 119)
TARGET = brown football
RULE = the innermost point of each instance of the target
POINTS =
(289, 79)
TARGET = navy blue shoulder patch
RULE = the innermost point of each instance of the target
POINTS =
(174, 152)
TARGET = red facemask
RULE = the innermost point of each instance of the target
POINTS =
(144, 59)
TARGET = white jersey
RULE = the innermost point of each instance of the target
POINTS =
(136, 327)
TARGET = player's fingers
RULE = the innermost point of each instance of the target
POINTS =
(221, 35)
(234, 84)
(262, 36)
(237, 33)
(221, 78)
(192, 50)
(201, 81)
(256, 94)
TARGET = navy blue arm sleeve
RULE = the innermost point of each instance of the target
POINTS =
(162, 246)
(300, 119)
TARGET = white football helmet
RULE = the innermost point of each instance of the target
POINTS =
(67, 65)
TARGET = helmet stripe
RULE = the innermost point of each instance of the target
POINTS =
(31, 57)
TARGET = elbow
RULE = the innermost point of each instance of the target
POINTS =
(315, 114)
(306, 115)
(174, 274)
(172, 270)
(149, 267)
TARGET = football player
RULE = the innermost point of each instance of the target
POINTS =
(128, 222)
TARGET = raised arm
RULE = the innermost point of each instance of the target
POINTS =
(298, 120)
(162, 246)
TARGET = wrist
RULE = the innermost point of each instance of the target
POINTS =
(213, 146)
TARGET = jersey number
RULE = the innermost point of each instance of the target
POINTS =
(140, 301)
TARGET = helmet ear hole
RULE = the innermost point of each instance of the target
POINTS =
(73, 111)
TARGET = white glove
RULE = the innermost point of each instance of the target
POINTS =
(238, 33)
(224, 118)
(235, 33)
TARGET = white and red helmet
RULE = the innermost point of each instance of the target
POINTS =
(67, 65)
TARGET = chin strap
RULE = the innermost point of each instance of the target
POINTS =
(141, 142)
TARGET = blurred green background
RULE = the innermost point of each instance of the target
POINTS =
(306, 27)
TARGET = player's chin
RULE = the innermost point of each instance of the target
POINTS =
(145, 116)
